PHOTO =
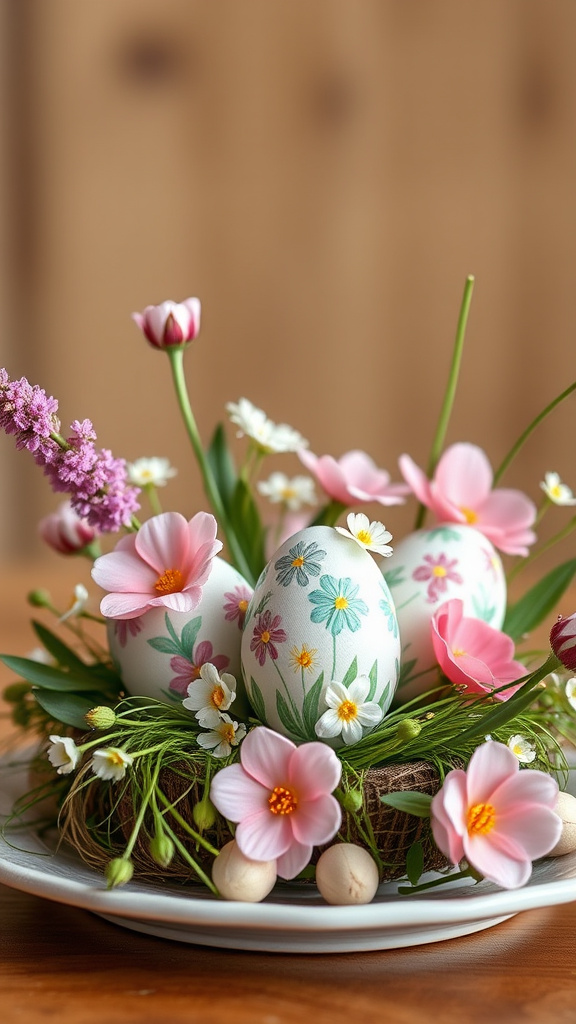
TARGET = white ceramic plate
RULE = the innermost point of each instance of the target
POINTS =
(293, 919)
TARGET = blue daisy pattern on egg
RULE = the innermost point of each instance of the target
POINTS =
(386, 606)
(337, 604)
(301, 562)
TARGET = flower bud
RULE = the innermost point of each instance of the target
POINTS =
(563, 641)
(171, 324)
(204, 814)
(352, 801)
(162, 849)
(65, 532)
(14, 693)
(40, 598)
(118, 872)
(101, 717)
(408, 730)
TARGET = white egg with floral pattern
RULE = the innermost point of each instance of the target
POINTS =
(159, 653)
(321, 649)
(427, 568)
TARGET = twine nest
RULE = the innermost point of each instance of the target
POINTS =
(97, 821)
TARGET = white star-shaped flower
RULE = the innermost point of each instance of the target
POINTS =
(524, 750)
(556, 491)
(210, 695)
(111, 763)
(269, 436)
(293, 493)
(153, 472)
(222, 737)
(372, 536)
(349, 713)
(63, 754)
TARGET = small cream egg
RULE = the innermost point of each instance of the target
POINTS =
(566, 809)
(238, 878)
(346, 874)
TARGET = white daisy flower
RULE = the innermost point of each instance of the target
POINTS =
(153, 472)
(372, 536)
(77, 604)
(254, 423)
(225, 735)
(349, 713)
(570, 691)
(210, 695)
(556, 491)
(293, 493)
(63, 754)
(111, 763)
(524, 750)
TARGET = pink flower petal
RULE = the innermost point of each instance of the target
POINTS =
(464, 476)
(266, 757)
(294, 861)
(123, 572)
(316, 821)
(124, 606)
(236, 795)
(314, 770)
(485, 854)
(264, 836)
(416, 479)
(163, 542)
(535, 829)
(491, 765)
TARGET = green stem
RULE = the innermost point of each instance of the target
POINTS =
(409, 890)
(450, 392)
(176, 357)
(152, 495)
(141, 812)
(196, 836)
(190, 860)
(329, 514)
(529, 429)
(565, 532)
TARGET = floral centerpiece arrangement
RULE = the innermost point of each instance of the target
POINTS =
(295, 697)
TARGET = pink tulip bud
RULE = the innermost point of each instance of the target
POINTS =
(66, 532)
(563, 641)
(171, 324)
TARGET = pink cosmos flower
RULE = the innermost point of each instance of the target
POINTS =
(461, 492)
(171, 324)
(472, 654)
(65, 531)
(165, 563)
(496, 816)
(563, 641)
(353, 479)
(236, 603)
(187, 671)
(281, 796)
(438, 571)
(267, 633)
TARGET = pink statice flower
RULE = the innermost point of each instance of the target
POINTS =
(281, 797)
(236, 604)
(563, 640)
(165, 564)
(266, 634)
(171, 324)
(188, 669)
(438, 571)
(495, 816)
(461, 492)
(65, 532)
(353, 479)
(473, 655)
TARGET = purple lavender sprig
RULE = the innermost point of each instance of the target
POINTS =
(94, 479)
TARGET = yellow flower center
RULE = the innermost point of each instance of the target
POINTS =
(303, 658)
(265, 637)
(347, 711)
(170, 582)
(287, 493)
(282, 800)
(340, 603)
(227, 733)
(298, 562)
(114, 757)
(481, 819)
(469, 514)
(458, 652)
(438, 570)
(217, 696)
(242, 605)
(364, 536)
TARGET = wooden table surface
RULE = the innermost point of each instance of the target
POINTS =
(61, 963)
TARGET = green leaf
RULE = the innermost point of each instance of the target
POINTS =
(48, 677)
(310, 706)
(164, 645)
(539, 601)
(222, 465)
(257, 701)
(60, 651)
(415, 863)
(373, 677)
(189, 634)
(417, 804)
(67, 708)
(247, 525)
(293, 724)
(352, 671)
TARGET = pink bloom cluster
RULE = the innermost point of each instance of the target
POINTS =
(94, 479)
(496, 816)
(281, 795)
(472, 654)
(461, 492)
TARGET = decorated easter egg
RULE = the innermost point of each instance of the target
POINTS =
(432, 566)
(321, 617)
(160, 652)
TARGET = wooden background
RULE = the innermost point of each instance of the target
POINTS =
(323, 174)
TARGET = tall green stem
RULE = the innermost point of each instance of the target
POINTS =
(176, 357)
(529, 429)
(450, 392)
